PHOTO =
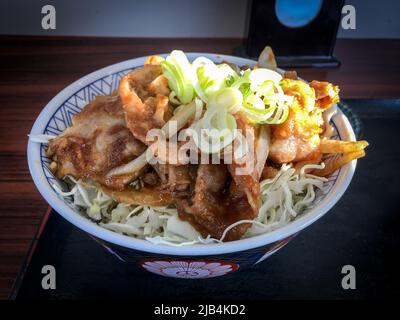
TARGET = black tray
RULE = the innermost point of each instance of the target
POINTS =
(361, 230)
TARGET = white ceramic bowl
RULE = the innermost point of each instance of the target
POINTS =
(56, 116)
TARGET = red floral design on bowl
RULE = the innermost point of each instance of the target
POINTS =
(189, 269)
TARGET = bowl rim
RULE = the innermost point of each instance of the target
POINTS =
(34, 162)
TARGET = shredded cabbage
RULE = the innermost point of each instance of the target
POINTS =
(285, 196)
(283, 199)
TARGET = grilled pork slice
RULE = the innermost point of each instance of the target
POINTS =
(176, 179)
(144, 93)
(226, 193)
(218, 201)
(97, 142)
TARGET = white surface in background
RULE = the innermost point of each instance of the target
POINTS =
(128, 18)
(172, 18)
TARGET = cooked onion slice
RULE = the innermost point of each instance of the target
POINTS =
(182, 117)
(262, 148)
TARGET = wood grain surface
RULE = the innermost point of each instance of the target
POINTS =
(34, 69)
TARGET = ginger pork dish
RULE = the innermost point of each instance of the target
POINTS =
(188, 152)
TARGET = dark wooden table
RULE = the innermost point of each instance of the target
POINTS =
(34, 69)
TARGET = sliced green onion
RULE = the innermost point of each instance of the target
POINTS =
(209, 77)
(215, 131)
(177, 70)
(199, 109)
(205, 77)
(257, 92)
(260, 101)
(230, 98)
(260, 75)
(172, 98)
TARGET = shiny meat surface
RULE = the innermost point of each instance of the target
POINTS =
(97, 142)
(149, 196)
(247, 181)
(326, 93)
(175, 179)
(144, 94)
(216, 203)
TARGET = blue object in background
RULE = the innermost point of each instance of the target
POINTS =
(297, 13)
